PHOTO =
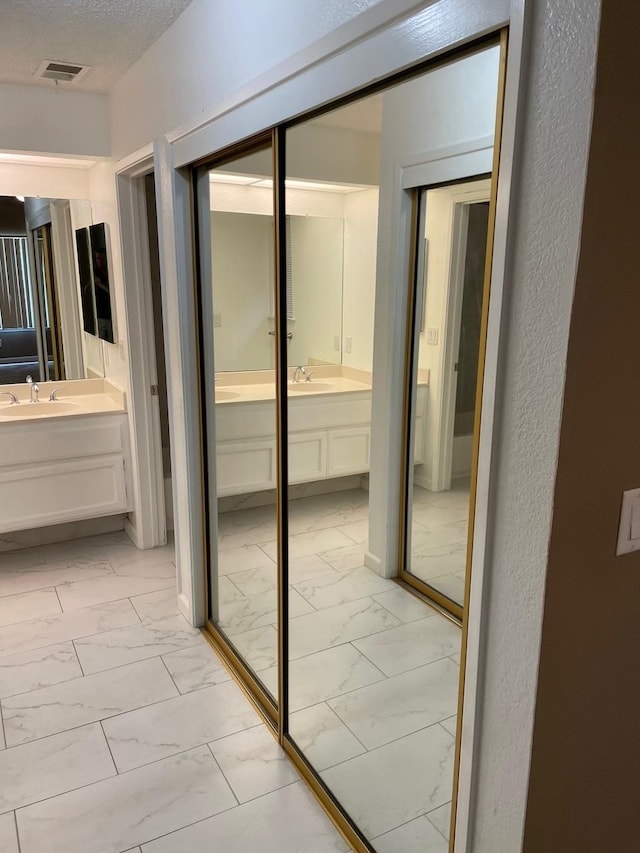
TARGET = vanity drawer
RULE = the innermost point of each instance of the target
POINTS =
(29, 443)
(37, 495)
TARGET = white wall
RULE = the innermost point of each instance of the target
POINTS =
(551, 161)
(53, 121)
(102, 194)
(47, 181)
(212, 50)
(316, 275)
(360, 244)
(242, 262)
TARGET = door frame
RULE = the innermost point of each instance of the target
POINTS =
(442, 459)
(148, 528)
(70, 314)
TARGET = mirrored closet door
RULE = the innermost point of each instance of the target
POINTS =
(238, 329)
(339, 254)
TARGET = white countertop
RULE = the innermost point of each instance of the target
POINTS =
(75, 398)
(249, 393)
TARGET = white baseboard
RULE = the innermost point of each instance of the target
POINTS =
(372, 562)
(423, 482)
(60, 532)
(132, 532)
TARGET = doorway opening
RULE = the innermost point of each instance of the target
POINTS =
(450, 296)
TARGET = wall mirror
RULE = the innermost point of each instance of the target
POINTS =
(42, 331)
(320, 276)
(94, 280)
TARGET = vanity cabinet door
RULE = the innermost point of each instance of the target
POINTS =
(307, 456)
(34, 496)
(349, 451)
(247, 466)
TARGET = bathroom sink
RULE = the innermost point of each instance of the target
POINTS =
(39, 410)
(310, 387)
(221, 395)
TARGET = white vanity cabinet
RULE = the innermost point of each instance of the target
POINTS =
(54, 470)
(329, 436)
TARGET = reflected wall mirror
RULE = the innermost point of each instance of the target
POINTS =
(95, 288)
(353, 657)
(42, 327)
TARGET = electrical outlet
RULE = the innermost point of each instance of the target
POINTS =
(347, 343)
(217, 320)
(432, 336)
(121, 348)
(336, 343)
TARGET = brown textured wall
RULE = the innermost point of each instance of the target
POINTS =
(585, 774)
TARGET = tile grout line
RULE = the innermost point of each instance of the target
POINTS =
(426, 814)
(224, 775)
(117, 775)
(106, 740)
(173, 681)
(73, 643)
(15, 822)
(101, 719)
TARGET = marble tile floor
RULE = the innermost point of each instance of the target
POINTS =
(121, 731)
(91, 648)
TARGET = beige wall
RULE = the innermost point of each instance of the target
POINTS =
(585, 774)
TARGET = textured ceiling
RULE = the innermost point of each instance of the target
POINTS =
(106, 34)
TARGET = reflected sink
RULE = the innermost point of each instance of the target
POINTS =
(39, 410)
(310, 387)
(221, 395)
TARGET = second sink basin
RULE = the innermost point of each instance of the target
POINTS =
(39, 410)
(221, 395)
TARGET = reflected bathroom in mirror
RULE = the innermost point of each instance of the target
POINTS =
(42, 332)
(323, 272)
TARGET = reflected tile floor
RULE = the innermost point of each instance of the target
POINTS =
(374, 671)
(141, 740)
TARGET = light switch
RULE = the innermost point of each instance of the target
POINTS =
(629, 531)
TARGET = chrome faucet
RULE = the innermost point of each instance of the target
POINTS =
(53, 395)
(14, 399)
(309, 375)
(298, 372)
(33, 389)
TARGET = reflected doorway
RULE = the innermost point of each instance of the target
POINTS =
(450, 299)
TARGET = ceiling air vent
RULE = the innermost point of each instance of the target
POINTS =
(63, 72)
